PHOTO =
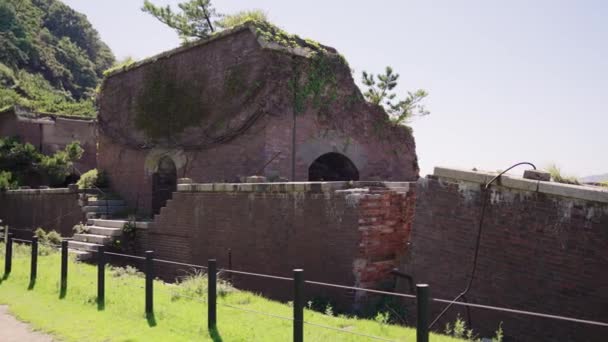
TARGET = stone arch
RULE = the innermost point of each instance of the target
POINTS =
(332, 166)
(164, 183)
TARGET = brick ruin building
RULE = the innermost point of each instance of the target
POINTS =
(248, 101)
(50, 133)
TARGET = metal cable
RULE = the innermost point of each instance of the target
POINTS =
(180, 263)
(24, 241)
(522, 312)
(256, 274)
(348, 332)
(125, 255)
(485, 200)
(361, 289)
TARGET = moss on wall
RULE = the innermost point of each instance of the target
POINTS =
(165, 107)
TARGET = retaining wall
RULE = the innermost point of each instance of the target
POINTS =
(544, 247)
(52, 209)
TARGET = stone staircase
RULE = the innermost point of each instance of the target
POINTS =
(105, 221)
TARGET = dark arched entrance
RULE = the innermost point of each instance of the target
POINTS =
(164, 183)
(332, 167)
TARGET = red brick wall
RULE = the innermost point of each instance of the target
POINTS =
(380, 150)
(25, 210)
(538, 252)
(329, 234)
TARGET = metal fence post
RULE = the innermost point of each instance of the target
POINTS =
(34, 266)
(64, 266)
(101, 281)
(298, 305)
(422, 315)
(149, 282)
(212, 294)
(8, 257)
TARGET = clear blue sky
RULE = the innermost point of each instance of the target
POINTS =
(508, 80)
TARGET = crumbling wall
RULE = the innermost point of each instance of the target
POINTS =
(544, 248)
(343, 236)
(51, 209)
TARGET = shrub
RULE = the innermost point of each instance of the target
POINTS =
(51, 237)
(6, 181)
(88, 179)
(557, 176)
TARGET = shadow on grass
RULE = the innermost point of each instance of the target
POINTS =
(4, 277)
(63, 292)
(31, 285)
(101, 305)
(151, 320)
(215, 334)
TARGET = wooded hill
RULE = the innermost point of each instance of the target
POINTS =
(51, 58)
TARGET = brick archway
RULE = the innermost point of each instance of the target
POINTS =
(331, 167)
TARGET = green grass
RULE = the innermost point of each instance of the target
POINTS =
(177, 317)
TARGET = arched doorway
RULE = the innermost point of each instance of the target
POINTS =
(332, 167)
(164, 183)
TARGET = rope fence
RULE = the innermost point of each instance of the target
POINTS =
(421, 297)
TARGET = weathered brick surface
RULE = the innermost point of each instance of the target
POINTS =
(23, 212)
(274, 232)
(538, 252)
(348, 125)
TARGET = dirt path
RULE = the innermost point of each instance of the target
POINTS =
(12, 330)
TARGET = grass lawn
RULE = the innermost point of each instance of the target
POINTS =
(180, 311)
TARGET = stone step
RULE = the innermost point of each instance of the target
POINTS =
(81, 255)
(116, 223)
(82, 246)
(92, 238)
(104, 231)
(103, 209)
(103, 203)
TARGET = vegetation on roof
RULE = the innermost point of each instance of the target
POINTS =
(559, 177)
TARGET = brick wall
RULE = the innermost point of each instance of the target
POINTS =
(340, 236)
(539, 252)
(52, 209)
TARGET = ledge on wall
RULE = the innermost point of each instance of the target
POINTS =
(583, 192)
(186, 185)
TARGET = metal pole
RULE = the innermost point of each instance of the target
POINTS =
(64, 265)
(298, 305)
(101, 281)
(149, 282)
(212, 294)
(8, 257)
(422, 319)
(34, 259)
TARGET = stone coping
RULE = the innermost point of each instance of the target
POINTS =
(290, 187)
(588, 193)
(40, 191)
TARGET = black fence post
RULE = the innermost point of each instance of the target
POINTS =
(8, 257)
(298, 305)
(64, 266)
(422, 319)
(149, 282)
(34, 266)
(212, 294)
(101, 281)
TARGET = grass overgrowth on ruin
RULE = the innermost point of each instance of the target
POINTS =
(180, 311)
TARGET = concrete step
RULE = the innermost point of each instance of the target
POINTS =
(104, 231)
(103, 209)
(92, 238)
(81, 255)
(103, 203)
(82, 246)
(117, 223)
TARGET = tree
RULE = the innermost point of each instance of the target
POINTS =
(380, 92)
(194, 20)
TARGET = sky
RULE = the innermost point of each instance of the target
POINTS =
(508, 81)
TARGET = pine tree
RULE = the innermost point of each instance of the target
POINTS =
(193, 21)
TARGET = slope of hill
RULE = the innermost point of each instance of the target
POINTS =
(595, 178)
(51, 58)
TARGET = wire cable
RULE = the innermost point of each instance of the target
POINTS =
(256, 274)
(361, 289)
(348, 332)
(485, 199)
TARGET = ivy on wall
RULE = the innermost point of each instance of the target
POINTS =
(165, 107)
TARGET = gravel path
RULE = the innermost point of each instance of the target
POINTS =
(12, 330)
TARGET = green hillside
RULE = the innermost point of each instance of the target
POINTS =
(51, 58)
